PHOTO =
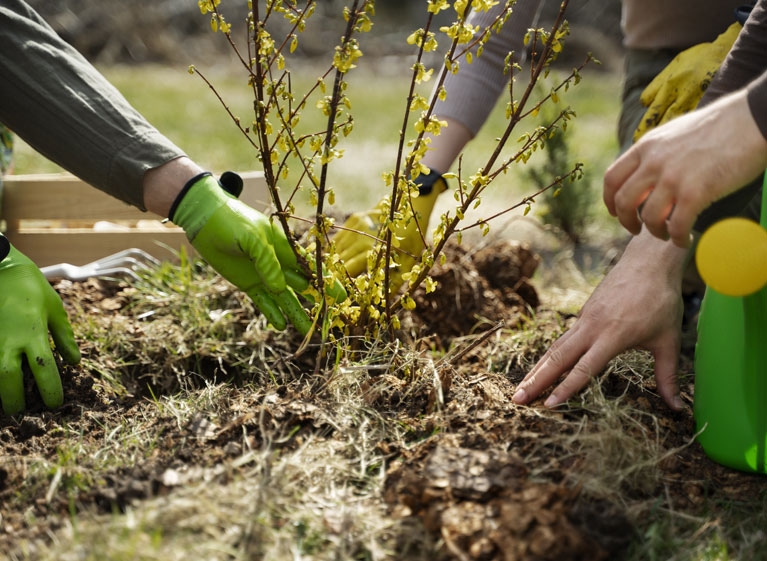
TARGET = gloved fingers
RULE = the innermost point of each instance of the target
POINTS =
(343, 237)
(277, 307)
(651, 91)
(357, 236)
(367, 221)
(282, 248)
(333, 287)
(687, 99)
(356, 223)
(63, 336)
(296, 280)
(350, 249)
(11, 384)
(267, 306)
(656, 111)
(46, 373)
(294, 311)
(675, 110)
(293, 275)
(651, 118)
(404, 265)
(356, 264)
(267, 266)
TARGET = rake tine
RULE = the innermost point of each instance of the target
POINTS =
(124, 262)
(132, 256)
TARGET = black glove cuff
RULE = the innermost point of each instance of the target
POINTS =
(5, 247)
(426, 182)
(229, 182)
(184, 190)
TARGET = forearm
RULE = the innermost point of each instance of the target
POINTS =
(162, 185)
(64, 108)
(752, 132)
(744, 67)
(474, 90)
(445, 148)
(664, 260)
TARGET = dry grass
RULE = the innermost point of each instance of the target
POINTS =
(238, 453)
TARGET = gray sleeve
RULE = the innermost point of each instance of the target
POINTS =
(63, 107)
(757, 101)
(474, 90)
(755, 37)
(745, 63)
(744, 67)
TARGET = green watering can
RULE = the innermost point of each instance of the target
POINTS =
(730, 404)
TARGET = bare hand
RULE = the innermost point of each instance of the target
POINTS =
(677, 170)
(637, 305)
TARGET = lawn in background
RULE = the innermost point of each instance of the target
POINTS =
(185, 109)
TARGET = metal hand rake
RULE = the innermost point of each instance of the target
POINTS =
(125, 262)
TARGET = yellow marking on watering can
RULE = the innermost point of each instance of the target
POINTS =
(732, 257)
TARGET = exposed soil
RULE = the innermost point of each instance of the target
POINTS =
(483, 478)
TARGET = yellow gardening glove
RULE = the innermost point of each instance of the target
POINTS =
(679, 87)
(362, 229)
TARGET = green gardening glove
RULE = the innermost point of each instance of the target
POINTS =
(246, 248)
(361, 230)
(29, 310)
(677, 89)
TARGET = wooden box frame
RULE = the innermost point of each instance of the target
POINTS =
(58, 218)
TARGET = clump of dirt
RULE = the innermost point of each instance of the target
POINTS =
(483, 504)
(477, 289)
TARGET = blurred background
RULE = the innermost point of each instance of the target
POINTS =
(145, 48)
